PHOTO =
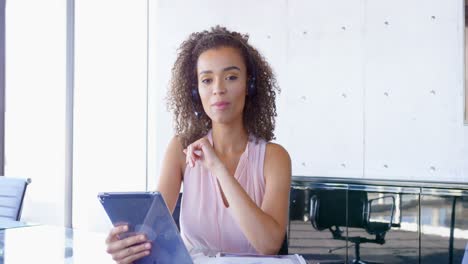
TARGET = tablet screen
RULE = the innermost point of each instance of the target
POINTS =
(147, 213)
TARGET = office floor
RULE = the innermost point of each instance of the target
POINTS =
(400, 246)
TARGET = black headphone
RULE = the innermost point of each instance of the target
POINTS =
(251, 83)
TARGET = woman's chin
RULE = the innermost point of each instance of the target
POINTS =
(222, 119)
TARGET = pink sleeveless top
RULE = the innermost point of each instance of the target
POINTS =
(205, 223)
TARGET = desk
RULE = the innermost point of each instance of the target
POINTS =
(49, 244)
(53, 245)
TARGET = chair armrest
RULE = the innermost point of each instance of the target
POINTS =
(369, 211)
(314, 206)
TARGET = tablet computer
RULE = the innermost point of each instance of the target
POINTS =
(147, 213)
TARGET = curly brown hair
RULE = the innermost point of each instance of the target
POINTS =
(259, 110)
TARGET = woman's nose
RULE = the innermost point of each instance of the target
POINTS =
(219, 87)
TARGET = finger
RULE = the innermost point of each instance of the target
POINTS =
(130, 251)
(118, 245)
(202, 146)
(195, 151)
(206, 146)
(191, 157)
(187, 157)
(198, 153)
(189, 150)
(115, 232)
(132, 258)
(193, 154)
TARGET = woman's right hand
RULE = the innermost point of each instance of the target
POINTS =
(127, 250)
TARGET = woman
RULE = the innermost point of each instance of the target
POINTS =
(236, 183)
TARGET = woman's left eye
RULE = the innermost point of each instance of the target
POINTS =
(231, 77)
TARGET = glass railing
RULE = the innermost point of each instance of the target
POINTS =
(346, 220)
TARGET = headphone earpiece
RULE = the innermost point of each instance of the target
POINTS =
(195, 101)
(195, 95)
(251, 88)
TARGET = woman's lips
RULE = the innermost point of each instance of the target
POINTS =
(220, 105)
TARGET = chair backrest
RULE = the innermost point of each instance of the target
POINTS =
(357, 209)
(284, 247)
(297, 204)
(338, 208)
(12, 191)
(176, 213)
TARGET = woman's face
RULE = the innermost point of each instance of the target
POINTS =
(222, 78)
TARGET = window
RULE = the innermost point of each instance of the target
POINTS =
(34, 117)
(466, 63)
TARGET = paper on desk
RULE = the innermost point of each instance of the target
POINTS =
(250, 260)
(287, 259)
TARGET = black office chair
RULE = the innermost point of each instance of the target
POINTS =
(284, 247)
(12, 191)
(298, 210)
(332, 209)
(176, 213)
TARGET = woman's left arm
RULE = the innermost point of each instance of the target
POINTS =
(264, 227)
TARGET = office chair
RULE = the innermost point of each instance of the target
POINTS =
(297, 204)
(176, 213)
(12, 191)
(284, 247)
(332, 209)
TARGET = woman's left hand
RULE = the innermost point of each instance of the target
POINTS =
(202, 151)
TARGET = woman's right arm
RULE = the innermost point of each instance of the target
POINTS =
(172, 172)
(127, 250)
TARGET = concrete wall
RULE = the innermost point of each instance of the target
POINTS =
(370, 89)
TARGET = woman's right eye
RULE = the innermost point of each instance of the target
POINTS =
(206, 81)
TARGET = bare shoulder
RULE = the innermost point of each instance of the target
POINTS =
(174, 152)
(276, 153)
(277, 160)
(175, 143)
